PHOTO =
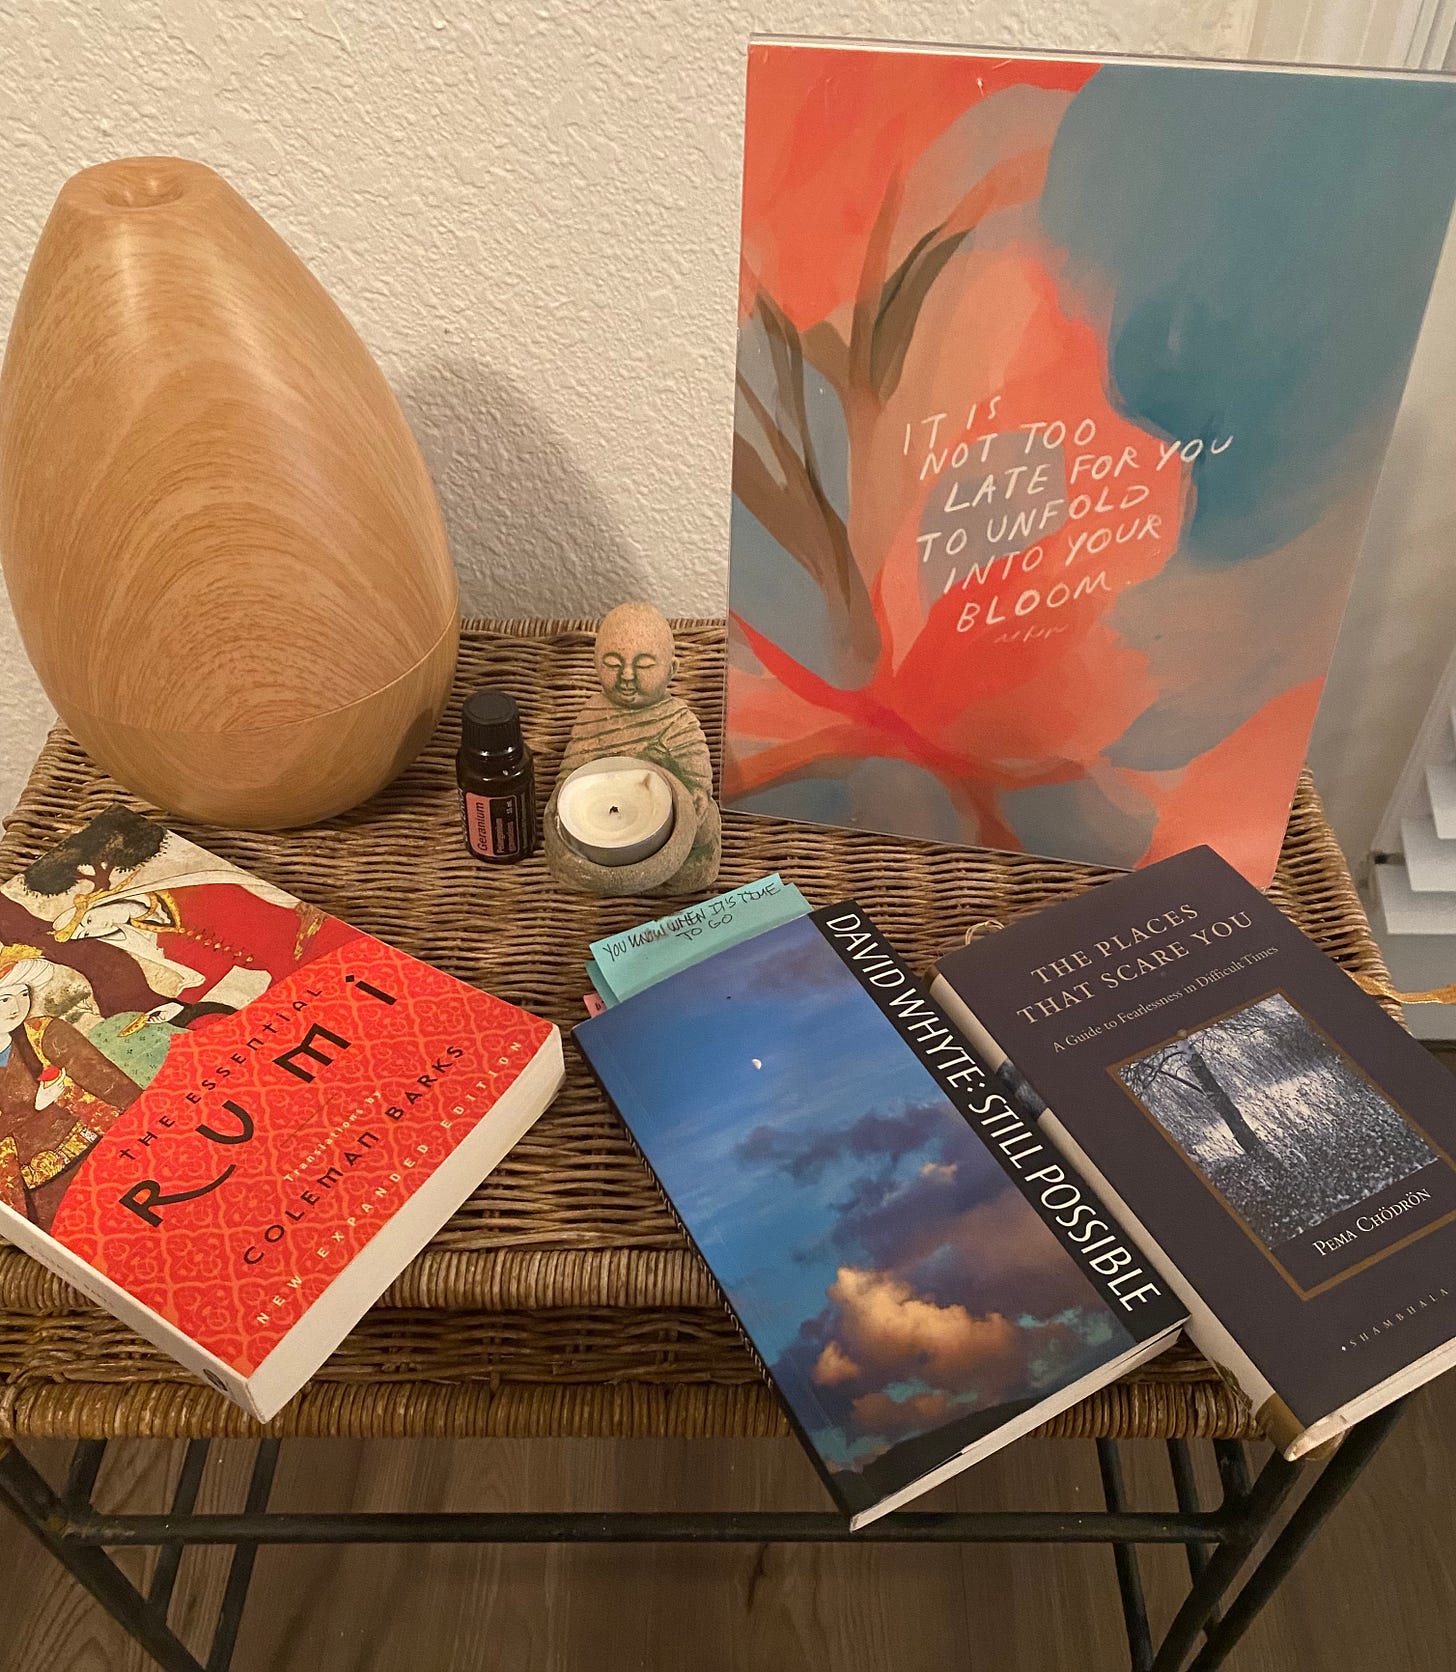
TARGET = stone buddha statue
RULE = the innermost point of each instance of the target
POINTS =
(635, 715)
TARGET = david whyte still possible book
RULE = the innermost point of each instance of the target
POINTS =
(1280, 1148)
(228, 1118)
(923, 1277)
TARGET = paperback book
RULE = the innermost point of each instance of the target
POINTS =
(923, 1277)
(1063, 387)
(1277, 1146)
(227, 1117)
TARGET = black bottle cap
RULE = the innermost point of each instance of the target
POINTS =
(490, 722)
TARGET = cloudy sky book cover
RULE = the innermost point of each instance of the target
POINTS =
(868, 1202)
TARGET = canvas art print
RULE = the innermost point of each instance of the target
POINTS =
(1063, 389)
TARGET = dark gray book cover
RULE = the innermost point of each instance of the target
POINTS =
(916, 1269)
(1284, 1142)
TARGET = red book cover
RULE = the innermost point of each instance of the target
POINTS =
(228, 1117)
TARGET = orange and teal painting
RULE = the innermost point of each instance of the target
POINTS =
(1063, 388)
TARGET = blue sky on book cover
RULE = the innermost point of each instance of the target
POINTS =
(1063, 389)
(885, 1266)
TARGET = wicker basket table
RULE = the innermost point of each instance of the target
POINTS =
(561, 1299)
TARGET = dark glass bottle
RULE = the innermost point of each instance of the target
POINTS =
(497, 779)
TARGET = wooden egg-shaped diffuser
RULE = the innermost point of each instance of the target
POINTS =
(221, 543)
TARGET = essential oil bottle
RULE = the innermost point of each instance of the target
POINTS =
(497, 779)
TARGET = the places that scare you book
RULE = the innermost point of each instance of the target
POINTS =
(227, 1117)
(1063, 386)
(923, 1277)
(1280, 1149)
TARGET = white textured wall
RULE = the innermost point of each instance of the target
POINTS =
(528, 209)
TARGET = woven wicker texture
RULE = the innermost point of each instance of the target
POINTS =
(562, 1298)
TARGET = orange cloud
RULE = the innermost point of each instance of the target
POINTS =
(880, 1414)
(885, 1328)
(834, 1366)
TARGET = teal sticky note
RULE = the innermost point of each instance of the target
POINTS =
(636, 958)
(600, 982)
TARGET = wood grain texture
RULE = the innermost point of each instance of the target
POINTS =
(1376, 1588)
(221, 543)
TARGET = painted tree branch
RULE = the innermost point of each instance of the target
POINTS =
(791, 501)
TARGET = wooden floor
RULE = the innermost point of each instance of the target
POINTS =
(1377, 1590)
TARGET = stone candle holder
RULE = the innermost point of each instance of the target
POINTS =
(635, 716)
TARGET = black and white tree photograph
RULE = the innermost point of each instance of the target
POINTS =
(1278, 1120)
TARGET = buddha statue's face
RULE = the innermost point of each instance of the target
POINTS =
(635, 658)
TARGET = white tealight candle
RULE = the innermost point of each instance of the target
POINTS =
(616, 811)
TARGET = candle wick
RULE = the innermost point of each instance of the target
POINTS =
(613, 810)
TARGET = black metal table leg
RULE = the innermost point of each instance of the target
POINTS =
(1125, 1559)
(240, 1572)
(86, 1461)
(184, 1501)
(44, 1513)
(1336, 1479)
(1185, 1489)
(1254, 1515)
